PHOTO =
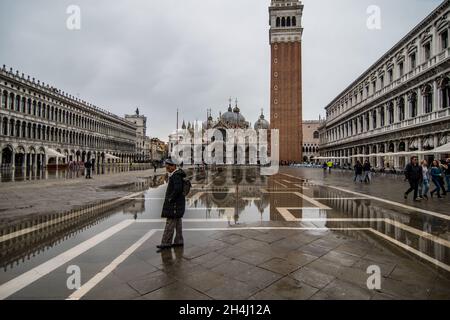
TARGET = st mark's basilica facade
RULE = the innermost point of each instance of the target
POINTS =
(252, 148)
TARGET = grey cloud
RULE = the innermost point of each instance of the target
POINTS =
(192, 54)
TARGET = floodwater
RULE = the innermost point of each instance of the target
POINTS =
(233, 197)
(30, 174)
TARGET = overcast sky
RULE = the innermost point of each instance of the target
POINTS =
(193, 54)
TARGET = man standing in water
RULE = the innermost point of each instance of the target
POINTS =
(173, 208)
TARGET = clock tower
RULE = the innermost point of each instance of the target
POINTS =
(286, 76)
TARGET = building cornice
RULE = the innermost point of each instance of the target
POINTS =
(393, 51)
(56, 94)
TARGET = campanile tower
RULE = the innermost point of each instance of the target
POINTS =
(286, 76)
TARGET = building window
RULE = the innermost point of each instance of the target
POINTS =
(4, 99)
(427, 51)
(374, 86)
(445, 93)
(316, 134)
(391, 76)
(444, 40)
(294, 21)
(412, 60)
(401, 110)
(382, 117)
(278, 23)
(381, 82)
(374, 120)
(401, 69)
(391, 113)
(413, 105)
(427, 99)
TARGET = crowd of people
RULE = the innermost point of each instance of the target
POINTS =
(88, 166)
(422, 176)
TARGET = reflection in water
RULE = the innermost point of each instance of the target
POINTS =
(23, 240)
(424, 233)
(242, 195)
(30, 174)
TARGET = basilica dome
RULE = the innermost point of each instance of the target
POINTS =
(262, 123)
(233, 116)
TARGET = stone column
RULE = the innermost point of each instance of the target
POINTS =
(420, 103)
(13, 160)
(435, 96)
(407, 107)
(24, 161)
(396, 111)
(396, 158)
(1, 157)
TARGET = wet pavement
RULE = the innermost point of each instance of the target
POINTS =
(297, 235)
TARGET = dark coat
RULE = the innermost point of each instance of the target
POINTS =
(413, 173)
(175, 202)
(358, 168)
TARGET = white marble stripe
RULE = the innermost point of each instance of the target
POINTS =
(85, 288)
(404, 206)
(412, 250)
(290, 217)
(279, 183)
(9, 288)
(184, 220)
(360, 198)
(69, 216)
(431, 213)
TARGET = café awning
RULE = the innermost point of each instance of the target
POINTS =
(442, 149)
(110, 156)
(53, 153)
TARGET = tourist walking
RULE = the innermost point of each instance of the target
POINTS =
(413, 173)
(443, 167)
(366, 169)
(174, 206)
(88, 166)
(436, 175)
(330, 165)
(154, 167)
(425, 185)
(358, 171)
(447, 173)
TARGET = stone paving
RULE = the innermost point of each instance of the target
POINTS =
(22, 200)
(268, 265)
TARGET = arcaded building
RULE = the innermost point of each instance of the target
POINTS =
(400, 104)
(311, 140)
(286, 76)
(42, 125)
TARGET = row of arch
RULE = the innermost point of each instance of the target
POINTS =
(46, 111)
(310, 149)
(29, 130)
(34, 156)
(286, 22)
(400, 109)
(423, 143)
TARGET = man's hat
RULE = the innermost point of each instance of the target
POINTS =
(170, 162)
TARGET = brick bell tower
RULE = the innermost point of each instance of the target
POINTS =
(286, 76)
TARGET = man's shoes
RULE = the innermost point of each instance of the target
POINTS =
(178, 245)
(417, 199)
(406, 196)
